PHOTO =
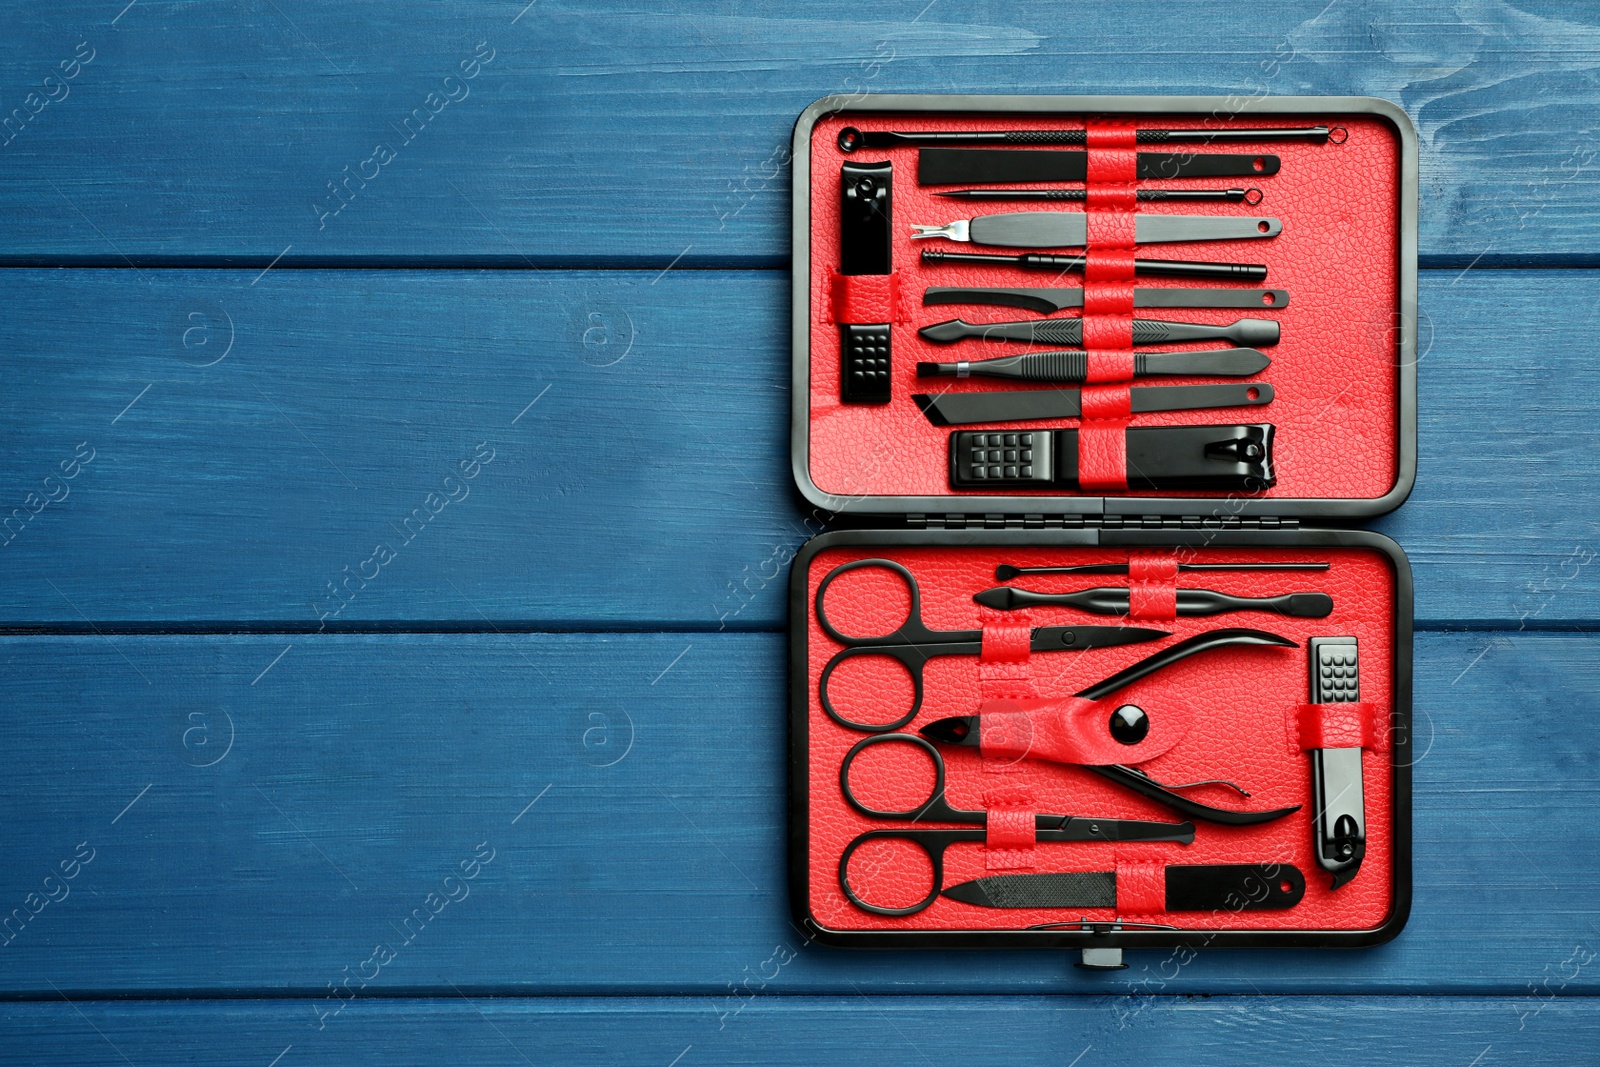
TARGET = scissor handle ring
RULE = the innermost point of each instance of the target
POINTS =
(914, 615)
(935, 857)
(918, 812)
(866, 727)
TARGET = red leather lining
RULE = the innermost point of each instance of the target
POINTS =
(1334, 372)
(1351, 725)
(1238, 702)
(1073, 730)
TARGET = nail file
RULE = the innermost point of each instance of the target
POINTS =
(1203, 887)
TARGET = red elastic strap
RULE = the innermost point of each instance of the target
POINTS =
(1348, 725)
(1006, 642)
(1105, 401)
(1113, 152)
(1113, 227)
(1152, 586)
(1004, 667)
(1102, 454)
(1010, 828)
(866, 299)
(1141, 887)
(1113, 331)
(1108, 298)
(1105, 366)
(1108, 265)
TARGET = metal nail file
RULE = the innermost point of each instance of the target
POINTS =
(1070, 229)
(1248, 332)
(1018, 405)
(1203, 887)
(1338, 807)
(975, 166)
(1050, 300)
(1070, 366)
(851, 138)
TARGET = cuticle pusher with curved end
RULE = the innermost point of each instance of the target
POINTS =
(1249, 332)
(1113, 600)
(1070, 229)
(1073, 366)
(968, 730)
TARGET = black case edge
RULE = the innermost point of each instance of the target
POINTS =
(1281, 507)
(1400, 747)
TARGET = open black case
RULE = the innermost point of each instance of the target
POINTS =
(932, 770)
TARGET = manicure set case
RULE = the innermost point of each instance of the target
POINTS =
(1237, 727)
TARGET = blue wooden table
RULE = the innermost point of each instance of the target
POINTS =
(393, 440)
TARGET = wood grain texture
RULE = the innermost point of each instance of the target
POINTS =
(852, 1029)
(599, 136)
(264, 812)
(648, 486)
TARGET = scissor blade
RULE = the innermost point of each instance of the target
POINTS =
(956, 730)
(1046, 638)
(1084, 828)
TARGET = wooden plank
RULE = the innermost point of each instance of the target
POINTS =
(647, 486)
(263, 811)
(597, 136)
(852, 1029)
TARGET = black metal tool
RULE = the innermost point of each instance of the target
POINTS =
(1074, 366)
(1070, 229)
(967, 729)
(1201, 887)
(1338, 805)
(1049, 300)
(1251, 196)
(1158, 457)
(1114, 601)
(979, 166)
(1070, 331)
(1005, 571)
(865, 248)
(936, 809)
(851, 138)
(1171, 268)
(1030, 405)
(912, 644)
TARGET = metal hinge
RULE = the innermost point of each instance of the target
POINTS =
(959, 521)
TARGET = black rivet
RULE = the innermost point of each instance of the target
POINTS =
(1129, 724)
